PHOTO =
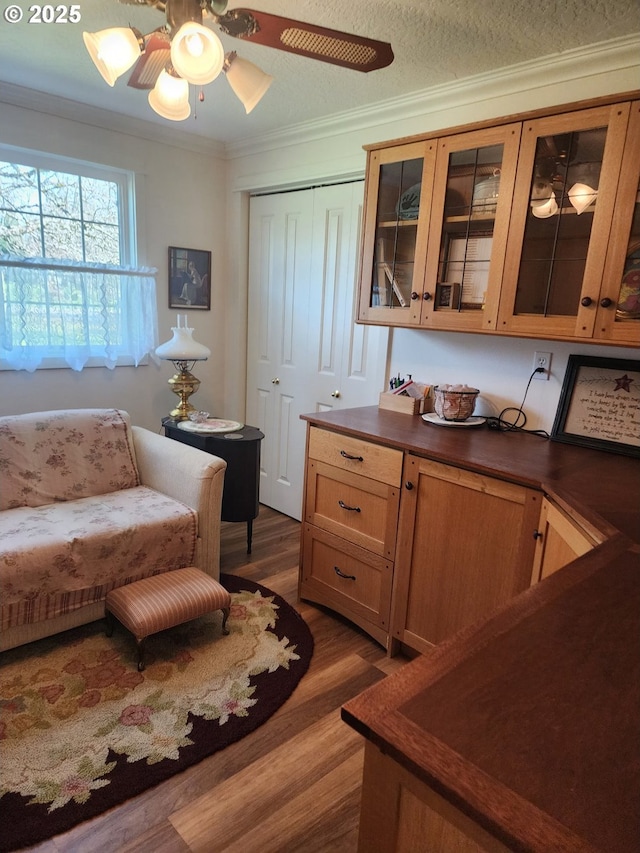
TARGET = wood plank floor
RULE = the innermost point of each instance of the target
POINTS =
(291, 786)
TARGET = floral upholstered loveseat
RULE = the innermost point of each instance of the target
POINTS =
(89, 502)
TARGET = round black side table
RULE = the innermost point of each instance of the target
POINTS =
(241, 452)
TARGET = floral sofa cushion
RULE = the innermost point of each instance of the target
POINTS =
(57, 558)
(48, 457)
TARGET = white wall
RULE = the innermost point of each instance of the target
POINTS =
(180, 198)
(499, 366)
(189, 196)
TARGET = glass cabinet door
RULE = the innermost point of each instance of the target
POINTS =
(618, 313)
(397, 208)
(472, 193)
(562, 209)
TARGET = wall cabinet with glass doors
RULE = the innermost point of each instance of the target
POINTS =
(528, 228)
(563, 208)
(397, 207)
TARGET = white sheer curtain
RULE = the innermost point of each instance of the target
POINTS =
(75, 311)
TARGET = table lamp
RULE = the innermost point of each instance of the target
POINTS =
(183, 351)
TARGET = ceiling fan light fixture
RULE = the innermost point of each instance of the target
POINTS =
(114, 50)
(170, 97)
(582, 196)
(197, 53)
(248, 82)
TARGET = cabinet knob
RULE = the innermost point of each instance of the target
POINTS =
(408, 485)
(606, 302)
(415, 295)
(586, 301)
(335, 394)
(426, 296)
(537, 534)
(275, 381)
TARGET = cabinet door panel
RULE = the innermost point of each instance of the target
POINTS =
(564, 199)
(465, 546)
(472, 194)
(559, 541)
(618, 317)
(397, 209)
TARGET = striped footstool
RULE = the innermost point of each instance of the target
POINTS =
(152, 604)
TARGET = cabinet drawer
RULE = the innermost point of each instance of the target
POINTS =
(359, 509)
(354, 454)
(346, 578)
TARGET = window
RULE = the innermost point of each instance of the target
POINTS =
(69, 287)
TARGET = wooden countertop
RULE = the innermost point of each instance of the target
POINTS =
(530, 723)
(602, 488)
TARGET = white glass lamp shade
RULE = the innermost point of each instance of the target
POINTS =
(182, 347)
(581, 196)
(113, 51)
(197, 53)
(170, 97)
(247, 80)
(545, 209)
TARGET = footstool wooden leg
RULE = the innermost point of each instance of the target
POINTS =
(141, 663)
(225, 616)
(110, 622)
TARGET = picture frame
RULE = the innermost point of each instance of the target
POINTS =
(189, 279)
(599, 405)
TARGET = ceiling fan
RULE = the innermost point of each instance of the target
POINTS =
(185, 51)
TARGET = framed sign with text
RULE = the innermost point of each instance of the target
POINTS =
(600, 404)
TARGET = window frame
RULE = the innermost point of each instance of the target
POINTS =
(128, 219)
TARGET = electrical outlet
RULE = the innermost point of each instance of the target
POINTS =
(542, 359)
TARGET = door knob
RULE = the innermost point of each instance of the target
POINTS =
(586, 301)
(606, 302)
(275, 381)
(335, 394)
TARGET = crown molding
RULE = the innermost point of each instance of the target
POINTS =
(604, 57)
(20, 96)
(614, 55)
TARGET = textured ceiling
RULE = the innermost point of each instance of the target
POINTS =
(434, 41)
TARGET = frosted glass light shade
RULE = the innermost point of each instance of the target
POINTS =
(247, 80)
(546, 209)
(113, 51)
(581, 196)
(197, 53)
(182, 347)
(170, 97)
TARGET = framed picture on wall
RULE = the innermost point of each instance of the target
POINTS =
(600, 404)
(189, 278)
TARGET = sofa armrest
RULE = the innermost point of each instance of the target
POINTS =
(191, 476)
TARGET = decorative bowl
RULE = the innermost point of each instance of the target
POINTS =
(455, 402)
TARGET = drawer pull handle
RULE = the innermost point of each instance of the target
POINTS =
(346, 455)
(343, 505)
(342, 574)
(537, 534)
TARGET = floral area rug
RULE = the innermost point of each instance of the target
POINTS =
(82, 730)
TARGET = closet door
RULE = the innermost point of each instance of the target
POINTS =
(305, 353)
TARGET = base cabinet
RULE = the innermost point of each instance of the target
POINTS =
(401, 814)
(465, 547)
(409, 549)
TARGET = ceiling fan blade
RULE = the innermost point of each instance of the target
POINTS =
(338, 48)
(157, 53)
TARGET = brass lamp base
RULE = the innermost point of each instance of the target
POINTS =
(184, 384)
